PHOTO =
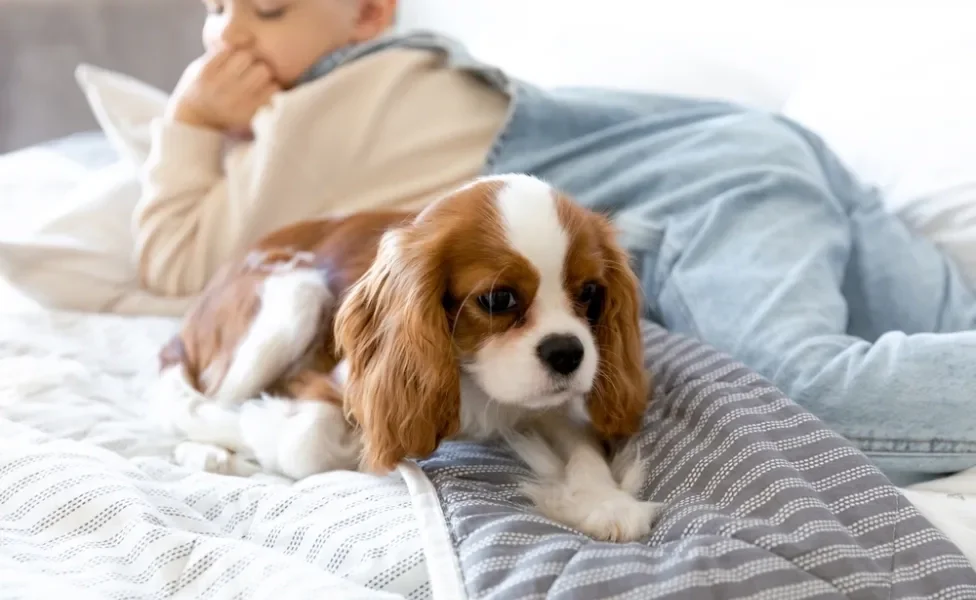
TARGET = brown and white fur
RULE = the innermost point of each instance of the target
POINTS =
(503, 310)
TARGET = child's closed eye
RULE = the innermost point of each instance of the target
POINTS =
(265, 13)
(270, 13)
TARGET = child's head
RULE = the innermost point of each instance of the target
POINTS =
(291, 35)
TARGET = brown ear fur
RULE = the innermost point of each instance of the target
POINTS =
(403, 388)
(621, 392)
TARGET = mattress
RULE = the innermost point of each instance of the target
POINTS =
(91, 503)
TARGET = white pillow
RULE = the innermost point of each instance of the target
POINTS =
(123, 107)
(80, 255)
(902, 116)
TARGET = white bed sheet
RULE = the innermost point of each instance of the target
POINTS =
(88, 492)
(34, 183)
(91, 504)
(950, 504)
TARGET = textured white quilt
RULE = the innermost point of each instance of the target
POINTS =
(91, 504)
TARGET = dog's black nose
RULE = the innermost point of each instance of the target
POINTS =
(561, 353)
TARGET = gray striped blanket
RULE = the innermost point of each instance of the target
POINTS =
(762, 502)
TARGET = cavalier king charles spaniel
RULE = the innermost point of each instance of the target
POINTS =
(502, 311)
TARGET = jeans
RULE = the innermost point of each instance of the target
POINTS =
(749, 234)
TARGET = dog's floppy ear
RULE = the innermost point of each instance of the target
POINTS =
(403, 386)
(621, 392)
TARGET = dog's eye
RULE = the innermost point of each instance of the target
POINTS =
(498, 301)
(591, 298)
(588, 293)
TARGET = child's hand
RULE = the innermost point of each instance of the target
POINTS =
(222, 91)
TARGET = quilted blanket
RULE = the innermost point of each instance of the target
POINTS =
(92, 506)
(762, 502)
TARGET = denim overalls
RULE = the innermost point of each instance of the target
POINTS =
(747, 233)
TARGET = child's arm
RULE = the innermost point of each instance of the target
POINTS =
(182, 185)
(185, 223)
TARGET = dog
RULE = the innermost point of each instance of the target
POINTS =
(503, 310)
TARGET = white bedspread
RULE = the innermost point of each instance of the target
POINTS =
(88, 494)
(90, 502)
(950, 504)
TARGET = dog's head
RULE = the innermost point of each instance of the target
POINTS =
(514, 285)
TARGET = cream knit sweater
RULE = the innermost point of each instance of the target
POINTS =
(390, 130)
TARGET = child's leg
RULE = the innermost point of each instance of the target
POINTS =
(895, 280)
(786, 263)
(749, 235)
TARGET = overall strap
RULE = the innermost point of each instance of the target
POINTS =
(454, 52)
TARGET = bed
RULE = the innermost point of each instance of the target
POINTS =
(762, 501)
(760, 496)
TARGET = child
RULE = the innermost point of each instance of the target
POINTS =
(325, 145)
(746, 232)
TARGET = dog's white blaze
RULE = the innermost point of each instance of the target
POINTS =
(532, 226)
(511, 373)
(292, 304)
(528, 210)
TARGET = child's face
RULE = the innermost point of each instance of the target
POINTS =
(289, 36)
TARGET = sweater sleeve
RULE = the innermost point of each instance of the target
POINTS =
(393, 129)
(183, 185)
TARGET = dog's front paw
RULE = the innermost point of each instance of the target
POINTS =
(605, 513)
(619, 517)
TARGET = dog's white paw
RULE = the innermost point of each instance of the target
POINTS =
(602, 512)
(211, 459)
(619, 517)
(202, 457)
